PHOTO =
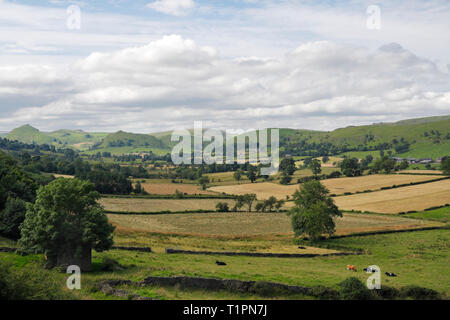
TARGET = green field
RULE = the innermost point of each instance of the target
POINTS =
(441, 214)
(418, 258)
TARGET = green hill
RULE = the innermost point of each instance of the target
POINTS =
(62, 138)
(28, 134)
(126, 142)
(420, 138)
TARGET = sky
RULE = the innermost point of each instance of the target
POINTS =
(147, 66)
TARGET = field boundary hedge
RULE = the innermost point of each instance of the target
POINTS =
(141, 249)
(170, 196)
(159, 212)
(183, 282)
(260, 254)
(371, 233)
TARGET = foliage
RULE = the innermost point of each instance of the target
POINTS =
(353, 289)
(385, 164)
(222, 207)
(350, 167)
(29, 283)
(445, 165)
(315, 167)
(12, 217)
(246, 199)
(65, 216)
(314, 211)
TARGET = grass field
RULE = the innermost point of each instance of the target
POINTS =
(336, 186)
(410, 198)
(441, 214)
(243, 224)
(157, 205)
(418, 258)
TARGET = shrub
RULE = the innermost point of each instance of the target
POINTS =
(324, 293)
(222, 207)
(419, 293)
(31, 282)
(353, 289)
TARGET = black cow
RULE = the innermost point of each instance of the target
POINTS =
(220, 263)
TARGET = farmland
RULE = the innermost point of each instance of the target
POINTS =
(158, 205)
(410, 198)
(244, 224)
(171, 188)
(336, 186)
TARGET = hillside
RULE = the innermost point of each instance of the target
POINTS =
(126, 142)
(421, 138)
(62, 138)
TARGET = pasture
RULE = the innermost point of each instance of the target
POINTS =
(336, 186)
(411, 255)
(410, 198)
(139, 205)
(244, 224)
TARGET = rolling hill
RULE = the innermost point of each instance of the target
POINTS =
(421, 138)
(76, 139)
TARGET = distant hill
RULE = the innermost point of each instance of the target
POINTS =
(76, 139)
(421, 138)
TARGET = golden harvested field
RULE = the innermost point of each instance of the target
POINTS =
(372, 182)
(156, 205)
(336, 186)
(242, 224)
(170, 188)
(397, 200)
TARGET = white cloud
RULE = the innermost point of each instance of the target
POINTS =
(173, 81)
(173, 7)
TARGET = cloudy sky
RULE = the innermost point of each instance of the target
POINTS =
(147, 66)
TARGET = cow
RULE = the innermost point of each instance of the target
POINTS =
(390, 274)
(220, 263)
(351, 267)
(300, 247)
(369, 269)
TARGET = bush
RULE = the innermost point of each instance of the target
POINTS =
(222, 207)
(324, 293)
(31, 282)
(419, 293)
(109, 264)
(353, 289)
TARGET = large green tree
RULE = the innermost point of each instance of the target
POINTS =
(350, 167)
(314, 211)
(66, 223)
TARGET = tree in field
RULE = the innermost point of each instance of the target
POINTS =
(315, 167)
(325, 159)
(384, 164)
(246, 200)
(237, 175)
(350, 167)
(251, 173)
(66, 223)
(445, 165)
(314, 211)
(287, 166)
